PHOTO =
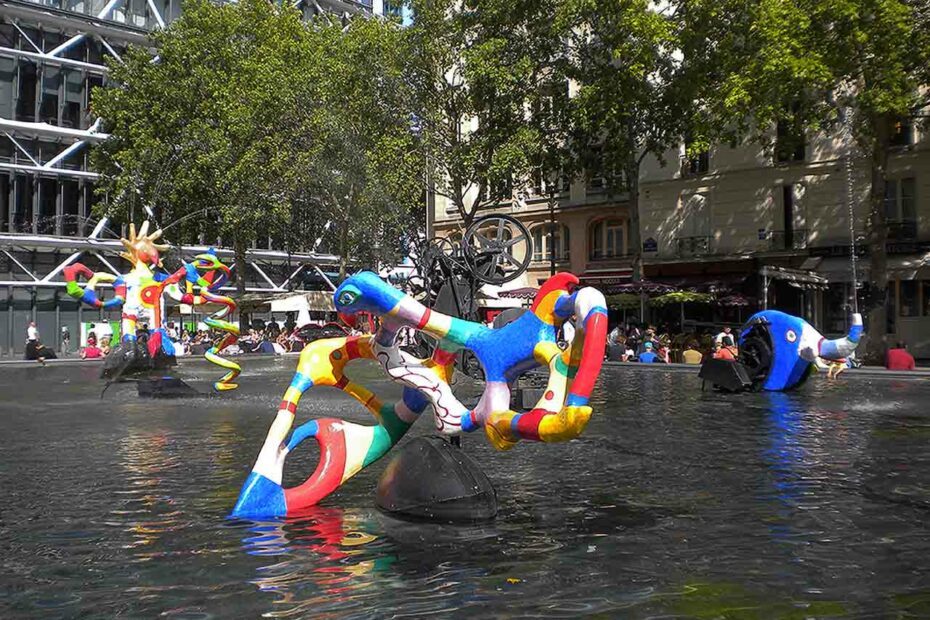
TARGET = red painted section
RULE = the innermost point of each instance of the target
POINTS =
(328, 474)
(528, 424)
(558, 282)
(352, 347)
(424, 319)
(154, 343)
(595, 341)
(442, 357)
(72, 271)
(288, 405)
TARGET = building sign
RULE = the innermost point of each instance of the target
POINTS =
(650, 245)
(892, 247)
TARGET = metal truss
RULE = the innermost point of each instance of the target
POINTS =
(107, 250)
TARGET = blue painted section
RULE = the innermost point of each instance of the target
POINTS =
(414, 400)
(594, 311)
(855, 333)
(499, 350)
(574, 400)
(190, 273)
(308, 429)
(788, 368)
(167, 346)
(366, 292)
(160, 276)
(513, 424)
(301, 382)
(260, 498)
(467, 425)
(565, 306)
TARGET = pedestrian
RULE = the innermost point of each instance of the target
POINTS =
(898, 358)
(65, 340)
(718, 339)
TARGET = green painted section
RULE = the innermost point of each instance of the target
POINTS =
(565, 369)
(386, 434)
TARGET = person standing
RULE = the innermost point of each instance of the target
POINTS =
(65, 340)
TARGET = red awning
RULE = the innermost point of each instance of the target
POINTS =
(526, 292)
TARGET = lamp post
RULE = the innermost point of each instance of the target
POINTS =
(551, 188)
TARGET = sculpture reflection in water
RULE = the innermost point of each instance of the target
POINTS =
(504, 354)
(777, 352)
(140, 293)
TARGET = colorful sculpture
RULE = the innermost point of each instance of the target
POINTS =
(777, 352)
(505, 353)
(788, 346)
(141, 294)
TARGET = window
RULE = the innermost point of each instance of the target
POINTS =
(789, 137)
(908, 303)
(608, 239)
(560, 243)
(698, 163)
(901, 208)
(694, 228)
(902, 134)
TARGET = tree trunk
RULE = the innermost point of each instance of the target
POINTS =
(878, 237)
(633, 236)
(241, 267)
(245, 318)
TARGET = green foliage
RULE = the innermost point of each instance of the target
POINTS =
(482, 94)
(679, 297)
(271, 125)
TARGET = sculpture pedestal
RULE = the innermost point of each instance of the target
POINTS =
(430, 479)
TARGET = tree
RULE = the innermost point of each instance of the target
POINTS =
(364, 165)
(475, 70)
(628, 101)
(270, 125)
(803, 62)
(205, 126)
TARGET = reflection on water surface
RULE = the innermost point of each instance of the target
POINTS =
(674, 502)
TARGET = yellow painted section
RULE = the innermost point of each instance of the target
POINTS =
(564, 425)
(357, 440)
(438, 324)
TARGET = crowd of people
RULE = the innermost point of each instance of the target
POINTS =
(628, 342)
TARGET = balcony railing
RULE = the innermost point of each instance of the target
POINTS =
(788, 240)
(693, 246)
(902, 230)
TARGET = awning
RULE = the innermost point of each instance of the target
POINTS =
(796, 277)
(899, 267)
(718, 283)
(643, 286)
(735, 300)
(525, 292)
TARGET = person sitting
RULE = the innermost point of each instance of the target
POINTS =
(91, 351)
(691, 355)
(648, 356)
(898, 358)
(727, 350)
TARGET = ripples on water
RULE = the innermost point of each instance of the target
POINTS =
(674, 502)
